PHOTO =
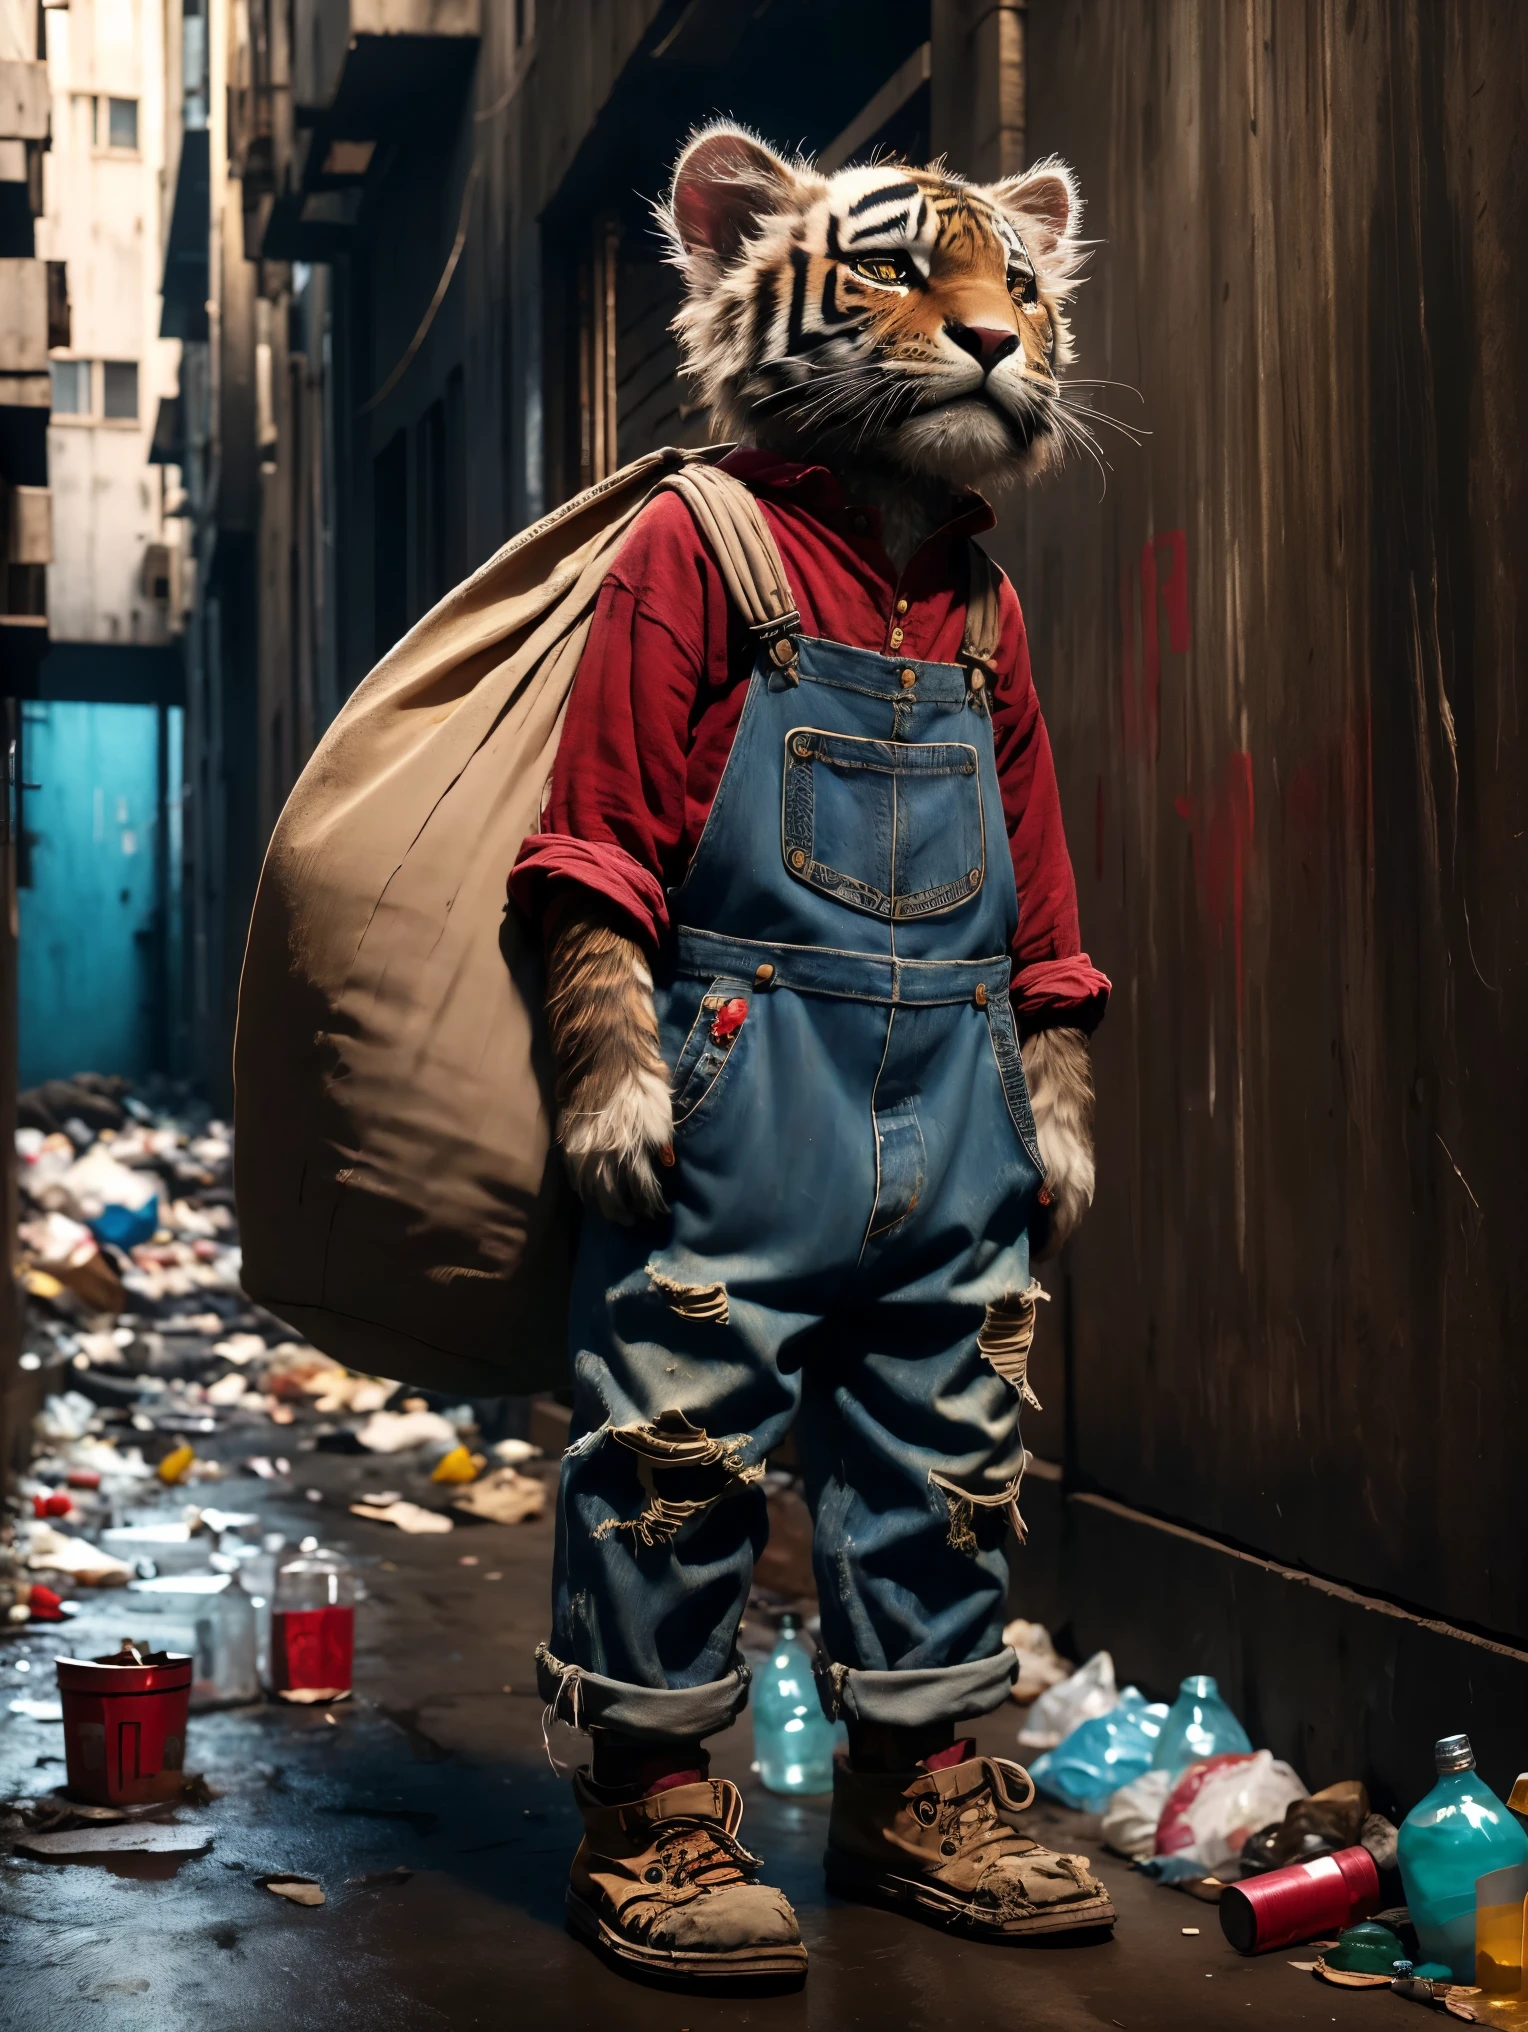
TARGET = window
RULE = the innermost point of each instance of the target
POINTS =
(71, 387)
(122, 123)
(121, 387)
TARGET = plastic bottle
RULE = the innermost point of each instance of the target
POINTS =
(313, 1625)
(793, 1739)
(1198, 1725)
(1459, 1832)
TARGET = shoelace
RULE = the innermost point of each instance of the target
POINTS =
(720, 1856)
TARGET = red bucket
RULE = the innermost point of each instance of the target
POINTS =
(125, 1726)
(1303, 1901)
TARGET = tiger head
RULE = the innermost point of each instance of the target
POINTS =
(895, 317)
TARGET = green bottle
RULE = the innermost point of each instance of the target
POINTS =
(1459, 1832)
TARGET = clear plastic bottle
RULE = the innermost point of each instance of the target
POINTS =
(1198, 1725)
(313, 1625)
(793, 1739)
(256, 1566)
(1459, 1832)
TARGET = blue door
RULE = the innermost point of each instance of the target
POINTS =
(100, 887)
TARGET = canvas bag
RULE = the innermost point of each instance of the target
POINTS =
(401, 1202)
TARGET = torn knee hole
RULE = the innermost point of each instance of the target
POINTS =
(707, 1302)
(1007, 1334)
(967, 1507)
(697, 1472)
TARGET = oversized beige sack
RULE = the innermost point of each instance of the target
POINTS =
(400, 1200)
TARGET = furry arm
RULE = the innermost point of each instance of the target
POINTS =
(1060, 1074)
(614, 1118)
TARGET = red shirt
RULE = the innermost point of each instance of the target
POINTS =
(659, 693)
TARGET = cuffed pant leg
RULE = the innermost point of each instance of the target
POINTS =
(910, 1442)
(678, 1398)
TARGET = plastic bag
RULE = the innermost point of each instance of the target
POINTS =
(1090, 1764)
(1040, 1666)
(1216, 1805)
(1131, 1816)
(1089, 1692)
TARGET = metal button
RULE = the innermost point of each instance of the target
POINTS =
(976, 878)
(909, 678)
(901, 606)
(764, 975)
(783, 651)
(978, 682)
(802, 746)
(798, 858)
(981, 994)
(896, 638)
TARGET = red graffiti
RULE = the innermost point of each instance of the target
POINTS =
(1221, 833)
(1143, 716)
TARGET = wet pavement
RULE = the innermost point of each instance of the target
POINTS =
(427, 1810)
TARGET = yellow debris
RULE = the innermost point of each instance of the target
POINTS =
(457, 1466)
(177, 1465)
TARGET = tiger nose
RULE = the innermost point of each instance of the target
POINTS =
(985, 343)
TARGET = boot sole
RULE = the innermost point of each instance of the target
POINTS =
(738, 1964)
(952, 1913)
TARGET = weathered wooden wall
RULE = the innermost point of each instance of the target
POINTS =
(1280, 655)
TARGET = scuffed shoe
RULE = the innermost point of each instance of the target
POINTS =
(941, 1844)
(663, 1885)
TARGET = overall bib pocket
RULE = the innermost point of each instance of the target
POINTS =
(706, 1050)
(891, 828)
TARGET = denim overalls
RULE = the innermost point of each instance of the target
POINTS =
(847, 1253)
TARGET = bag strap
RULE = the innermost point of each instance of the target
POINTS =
(733, 525)
(984, 620)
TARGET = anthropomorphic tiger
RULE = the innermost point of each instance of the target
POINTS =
(818, 1010)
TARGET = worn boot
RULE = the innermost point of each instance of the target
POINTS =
(940, 1844)
(662, 1884)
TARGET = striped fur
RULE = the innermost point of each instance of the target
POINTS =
(832, 317)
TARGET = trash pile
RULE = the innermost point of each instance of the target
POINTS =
(162, 1381)
(1182, 1793)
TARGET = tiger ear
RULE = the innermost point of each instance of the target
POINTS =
(1045, 202)
(725, 183)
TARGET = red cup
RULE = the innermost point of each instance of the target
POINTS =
(313, 1650)
(125, 1727)
(1300, 1902)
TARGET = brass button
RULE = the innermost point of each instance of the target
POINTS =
(981, 994)
(798, 858)
(802, 747)
(909, 678)
(978, 682)
(764, 975)
(901, 606)
(896, 638)
(976, 878)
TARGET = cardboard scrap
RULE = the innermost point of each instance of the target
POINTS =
(503, 1497)
(124, 1838)
(301, 1890)
(410, 1517)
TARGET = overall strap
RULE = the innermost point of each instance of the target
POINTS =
(733, 525)
(984, 616)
